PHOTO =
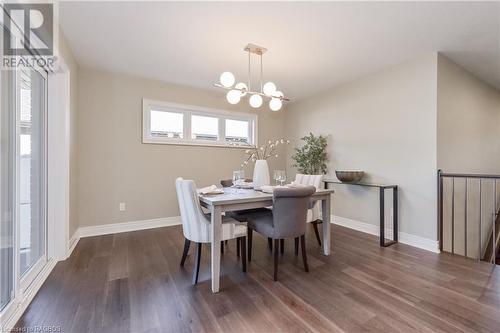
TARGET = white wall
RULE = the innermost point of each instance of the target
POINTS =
(468, 121)
(115, 166)
(384, 124)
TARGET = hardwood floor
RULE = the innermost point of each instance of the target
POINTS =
(132, 282)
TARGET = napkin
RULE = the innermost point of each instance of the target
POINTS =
(212, 189)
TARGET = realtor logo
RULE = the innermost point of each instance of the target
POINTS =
(30, 29)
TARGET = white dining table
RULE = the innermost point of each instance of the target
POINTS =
(239, 199)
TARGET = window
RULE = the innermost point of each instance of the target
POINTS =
(204, 128)
(237, 130)
(169, 123)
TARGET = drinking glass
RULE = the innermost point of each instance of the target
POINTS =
(281, 176)
(238, 178)
(276, 176)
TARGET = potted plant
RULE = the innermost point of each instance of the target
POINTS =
(311, 158)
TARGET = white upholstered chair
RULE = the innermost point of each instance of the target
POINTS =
(196, 225)
(314, 212)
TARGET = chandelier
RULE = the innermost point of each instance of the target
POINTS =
(236, 91)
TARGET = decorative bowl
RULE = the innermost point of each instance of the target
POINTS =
(349, 176)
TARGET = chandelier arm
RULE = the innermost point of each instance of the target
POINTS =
(249, 73)
(261, 88)
(251, 92)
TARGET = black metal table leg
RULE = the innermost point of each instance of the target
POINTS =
(383, 243)
(395, 216)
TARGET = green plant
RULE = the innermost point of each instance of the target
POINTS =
(311, 158)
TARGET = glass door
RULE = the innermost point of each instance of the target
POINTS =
(7, 187)
(23, 195)
(31, 97)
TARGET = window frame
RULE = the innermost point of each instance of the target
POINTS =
(189, 110)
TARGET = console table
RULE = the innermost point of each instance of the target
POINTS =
(382, 189)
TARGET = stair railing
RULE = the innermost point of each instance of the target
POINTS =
(481, 178)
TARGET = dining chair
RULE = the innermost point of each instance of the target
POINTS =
(196, 225)
(240, 215)
(286, 220)
(314, 212)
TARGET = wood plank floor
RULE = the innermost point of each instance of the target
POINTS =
(132, 282)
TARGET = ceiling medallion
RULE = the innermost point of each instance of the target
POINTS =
(237, 91)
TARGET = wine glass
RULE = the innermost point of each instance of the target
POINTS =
(281, 176)
(276, 176)
(238, 177)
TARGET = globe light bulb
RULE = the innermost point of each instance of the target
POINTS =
(233, 96)
(227, 79)
(242, 87)
(255, 101)
(278, 94)
(275, 104)
(269, 88)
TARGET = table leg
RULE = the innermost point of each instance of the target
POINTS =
(216, 225)
(325, 206)
(395, 216)
(382, 216)
(383, 243)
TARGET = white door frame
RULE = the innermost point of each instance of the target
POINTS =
(59, 123)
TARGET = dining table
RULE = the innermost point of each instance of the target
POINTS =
(234, 199)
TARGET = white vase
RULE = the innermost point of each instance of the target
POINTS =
(261, 174)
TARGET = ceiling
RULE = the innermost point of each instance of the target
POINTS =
(312, 46)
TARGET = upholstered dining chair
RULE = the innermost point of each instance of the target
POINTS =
(314, 212)
(286, 220)
(196, 225)
(240, 215)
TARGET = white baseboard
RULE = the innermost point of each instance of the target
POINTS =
(72, 242)
(116, 228)
(405, 238)
(20, 306)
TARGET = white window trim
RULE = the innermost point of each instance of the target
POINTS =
(187, 111)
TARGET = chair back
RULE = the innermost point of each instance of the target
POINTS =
(290, 211)
(194, 221)
(314, 180)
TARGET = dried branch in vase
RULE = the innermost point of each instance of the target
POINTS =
(253, 153)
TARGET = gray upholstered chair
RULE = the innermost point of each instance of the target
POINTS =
(239, 215)
(286, 220)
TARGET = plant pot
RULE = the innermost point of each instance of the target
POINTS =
(261, 174)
